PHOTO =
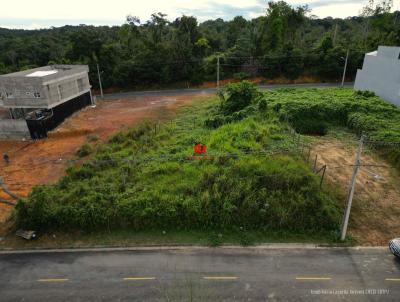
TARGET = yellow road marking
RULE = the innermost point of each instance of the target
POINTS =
(53, 280)
(313, 278)
(139, 278)
(220, 278)
(392, 279)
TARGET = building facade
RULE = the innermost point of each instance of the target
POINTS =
(45, 96)
(381, 74)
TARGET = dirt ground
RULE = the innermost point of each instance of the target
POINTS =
(43, 162)
(376, 206)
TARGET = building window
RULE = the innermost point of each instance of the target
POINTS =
(36, 95)
(9, 95)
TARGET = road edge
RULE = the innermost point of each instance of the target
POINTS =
(264, 247)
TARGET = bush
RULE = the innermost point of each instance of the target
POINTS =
(238, 96)
(310, 127)
(365, 93)
(262, 105)
(84, 150)
(92, 138)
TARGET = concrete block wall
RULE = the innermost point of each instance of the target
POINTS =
(14, 129)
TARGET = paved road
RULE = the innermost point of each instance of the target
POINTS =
(202, 275)
(176, 92)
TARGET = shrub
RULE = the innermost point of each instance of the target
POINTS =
(237, 96)
(92, 138)
(365, 93)
(262, 104)
(84, 150)
(310, 126)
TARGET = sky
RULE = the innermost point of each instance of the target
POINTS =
(34, 14)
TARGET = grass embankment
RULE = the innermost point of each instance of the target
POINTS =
(253, 180)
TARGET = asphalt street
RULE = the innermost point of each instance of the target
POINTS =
(202, 274)
(190, 91)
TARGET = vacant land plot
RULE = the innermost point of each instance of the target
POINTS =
(253, 179)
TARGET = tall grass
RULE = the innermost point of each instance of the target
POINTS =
(141, 180)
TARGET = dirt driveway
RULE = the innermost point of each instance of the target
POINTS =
(43, 161)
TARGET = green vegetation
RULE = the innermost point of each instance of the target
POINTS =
(253, 178)
(285, 42)
(312, 111)
(84, 150)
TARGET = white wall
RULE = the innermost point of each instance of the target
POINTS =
(381, 74)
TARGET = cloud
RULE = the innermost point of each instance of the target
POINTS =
(44, 14)
(47, 23)
(320, 3)
(216, 9)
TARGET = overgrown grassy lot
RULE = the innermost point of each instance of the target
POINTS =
(146, 178)
(313, 111)
(252, 178)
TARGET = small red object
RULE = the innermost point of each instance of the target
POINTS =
(200, 149)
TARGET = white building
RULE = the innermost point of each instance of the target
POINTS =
(381, 74)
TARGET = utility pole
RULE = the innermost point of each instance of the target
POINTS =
(345, 67)
(218, 72)
(351, 189)
(101, 86)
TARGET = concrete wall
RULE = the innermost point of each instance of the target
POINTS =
(22, 90)
(61, 90)
(14, 129)
(381, 74)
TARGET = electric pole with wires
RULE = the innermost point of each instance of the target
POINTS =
(352, 188)
(345, 67)
(218, 66)
(101, 86)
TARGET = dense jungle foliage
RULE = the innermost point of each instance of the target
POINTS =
(286, 42)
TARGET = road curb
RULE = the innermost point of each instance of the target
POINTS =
(265, 247)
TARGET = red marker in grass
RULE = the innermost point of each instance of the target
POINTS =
(200, 149)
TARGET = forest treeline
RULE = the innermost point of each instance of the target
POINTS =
(286, 42)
